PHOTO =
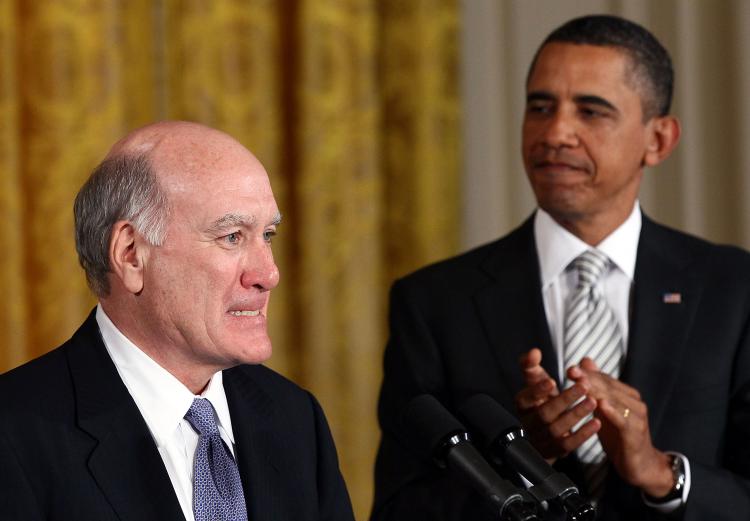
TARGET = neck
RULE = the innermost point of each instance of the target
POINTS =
(592, 229)
(193, 376)
(589, 233)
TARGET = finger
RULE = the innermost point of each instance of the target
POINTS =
(614, 414)
(536, 394)
(557, 405)
(588, 364)
(530, 363)
(620, 409)
(575, 373)
(531, 358)
(602, 384)
(626, 414)
(573, 441)
(570, 418)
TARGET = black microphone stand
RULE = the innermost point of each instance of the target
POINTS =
(555, 487)
(458, 454)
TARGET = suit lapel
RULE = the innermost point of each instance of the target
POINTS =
(252, 413)
(125, 462)
(511, 306)
(663, 304)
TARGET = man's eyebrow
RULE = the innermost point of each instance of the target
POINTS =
(541, 95)
(231, 220)
(276, 220)
(590, 99)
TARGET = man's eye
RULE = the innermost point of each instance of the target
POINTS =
(232, 238)
(268, 235)
(591, 113)
(538, 108)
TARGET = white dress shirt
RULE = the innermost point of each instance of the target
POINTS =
(557, 248)
(163, 401)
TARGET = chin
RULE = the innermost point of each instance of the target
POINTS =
(562, 203)
(254, 352)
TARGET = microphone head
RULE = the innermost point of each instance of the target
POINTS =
(489, 419)
(429, 425)
(436, 433)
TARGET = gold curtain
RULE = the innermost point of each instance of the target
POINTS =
(352, 106)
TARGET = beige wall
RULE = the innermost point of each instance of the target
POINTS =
(702, 188)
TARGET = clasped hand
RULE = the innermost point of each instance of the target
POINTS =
(619, 417)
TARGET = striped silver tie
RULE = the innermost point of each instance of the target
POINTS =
(591, 330)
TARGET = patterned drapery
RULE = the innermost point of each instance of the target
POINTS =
(352, 106)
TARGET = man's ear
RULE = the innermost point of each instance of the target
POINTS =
(126, 255)
(664, 134)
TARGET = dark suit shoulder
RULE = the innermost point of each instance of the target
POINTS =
(689, 241)
(277, 418)
(38, 385)
(45, 385)
(270, 380)
(271, 391)
(709, 258)
(474, 267)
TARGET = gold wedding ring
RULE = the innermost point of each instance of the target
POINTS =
(626, 413)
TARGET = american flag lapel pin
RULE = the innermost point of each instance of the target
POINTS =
(672, 298)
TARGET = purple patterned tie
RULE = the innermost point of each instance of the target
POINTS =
(217, 489)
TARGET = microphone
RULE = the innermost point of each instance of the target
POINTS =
(504, 437)
(440, 436)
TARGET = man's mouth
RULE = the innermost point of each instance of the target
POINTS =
(557, 165)
(244, 313)
(561, 161)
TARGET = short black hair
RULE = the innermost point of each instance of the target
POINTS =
(651, 65)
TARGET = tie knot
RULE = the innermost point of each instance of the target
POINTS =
(201, 417)
(590, 266)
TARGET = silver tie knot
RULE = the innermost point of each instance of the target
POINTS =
(590, 266)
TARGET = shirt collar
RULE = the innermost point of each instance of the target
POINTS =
(161, 398)
(557, 247)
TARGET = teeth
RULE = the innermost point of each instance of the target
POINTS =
(245, 313)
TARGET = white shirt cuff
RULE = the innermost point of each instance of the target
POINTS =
(671, 506)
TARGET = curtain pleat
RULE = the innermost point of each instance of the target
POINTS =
(351, 105)
(14, 332)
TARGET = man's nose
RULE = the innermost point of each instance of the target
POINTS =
(260, 270)
(561, 130)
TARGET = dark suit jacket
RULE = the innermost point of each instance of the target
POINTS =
(73, 445)
(458, 328)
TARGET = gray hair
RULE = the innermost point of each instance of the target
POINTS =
(123, 187)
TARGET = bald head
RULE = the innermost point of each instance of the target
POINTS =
(139, 180)
(181, 148)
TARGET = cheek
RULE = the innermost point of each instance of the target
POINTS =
(216, 283)
(526, 138)
(177, 283)
(194, 282)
